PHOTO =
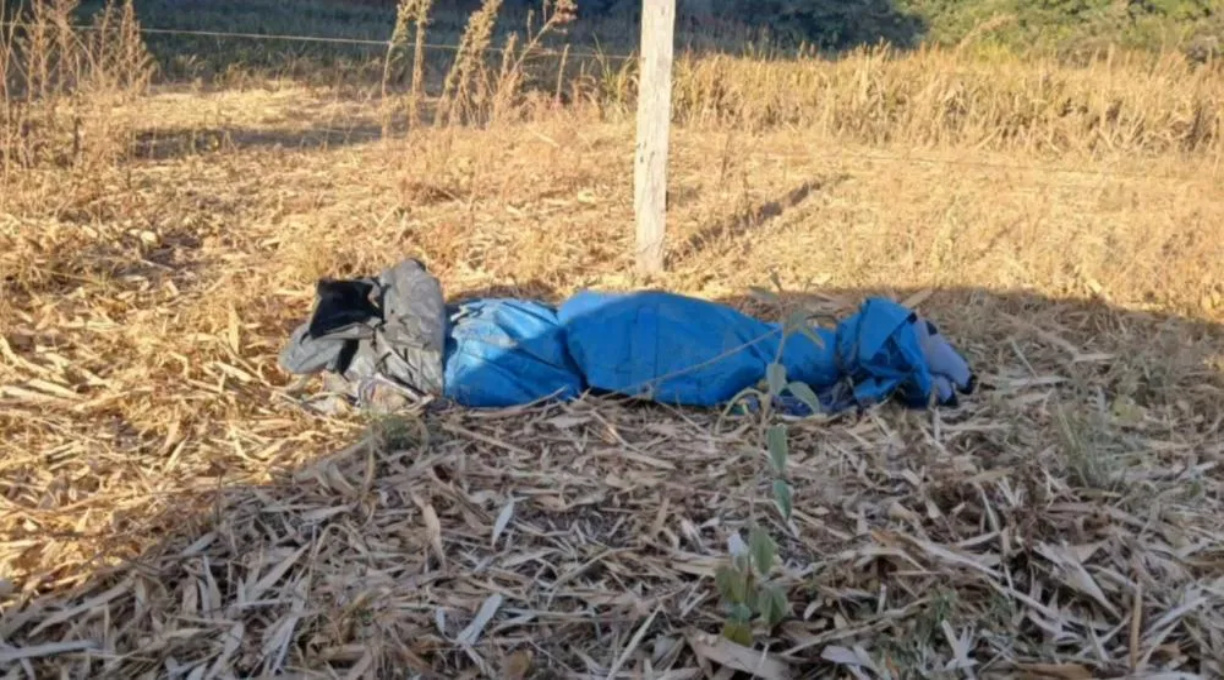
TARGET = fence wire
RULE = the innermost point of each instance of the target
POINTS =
(625, 57)
(367, 42)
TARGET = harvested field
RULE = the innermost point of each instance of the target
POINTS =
(170, 509)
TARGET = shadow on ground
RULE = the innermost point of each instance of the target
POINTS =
(177, 143)
(129, 260)
(735, 226)
(377, 558)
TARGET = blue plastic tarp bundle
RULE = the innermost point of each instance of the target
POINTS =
(391, 335)
(506, 352)
(690, 352)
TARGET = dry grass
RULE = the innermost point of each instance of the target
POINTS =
(60, 89)
(170, 509)
(1120, 102)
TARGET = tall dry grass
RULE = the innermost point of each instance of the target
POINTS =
(486, 85)
(936, 97)
(65, 91)
(457, 95)
(409, 15)
(960, 97)
(1119, 102)
(482, 83)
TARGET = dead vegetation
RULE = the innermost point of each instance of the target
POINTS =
(170, 509)
(63, 91)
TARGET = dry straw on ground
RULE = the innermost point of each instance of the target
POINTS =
(171, 510)
(578, 538)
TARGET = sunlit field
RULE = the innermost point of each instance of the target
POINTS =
(171, 508)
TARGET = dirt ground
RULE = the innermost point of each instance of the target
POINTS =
(170, 509)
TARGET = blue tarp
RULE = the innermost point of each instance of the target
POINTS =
(393, 334)
(683, 351)
(505, 352)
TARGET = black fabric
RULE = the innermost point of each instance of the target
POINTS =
(341, 304)
(392, 326)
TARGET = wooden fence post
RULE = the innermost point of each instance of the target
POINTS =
(653, 123)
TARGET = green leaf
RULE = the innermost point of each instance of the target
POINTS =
(724, 581)
(741, 613)
(737, 401)
(775, 377)
(774, 605)
(782, 496)
(778, 451)
(739, 633)
(763, 549)
(741, 565)
(805, 394)
(768, 615)
(731, 583)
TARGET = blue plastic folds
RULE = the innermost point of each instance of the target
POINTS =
(505, 352)
(683, 351)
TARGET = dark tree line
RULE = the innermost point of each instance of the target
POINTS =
(838, 24)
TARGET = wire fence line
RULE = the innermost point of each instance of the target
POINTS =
(367, 42)
(908, 159)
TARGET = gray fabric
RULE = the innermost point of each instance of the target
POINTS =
(949, 371)
(392, 326)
